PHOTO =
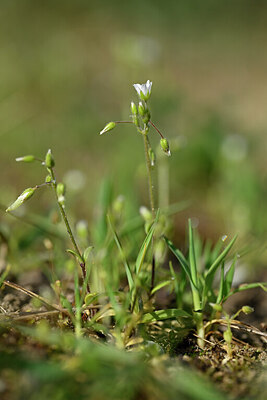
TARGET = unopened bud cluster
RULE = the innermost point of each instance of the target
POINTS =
(141, 118)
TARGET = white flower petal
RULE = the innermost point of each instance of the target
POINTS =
(137, 88)
(143, 90)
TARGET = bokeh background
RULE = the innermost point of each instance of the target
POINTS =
(67, 68)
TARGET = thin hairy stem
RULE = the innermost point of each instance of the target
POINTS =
(71, 236)
(152, 203)
(149, 175)
(123, 122)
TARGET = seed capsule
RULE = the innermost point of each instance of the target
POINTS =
(21, 199)
(49, 159)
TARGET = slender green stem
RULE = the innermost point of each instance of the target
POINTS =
(71, 236)
(152, 203)
(149, 175)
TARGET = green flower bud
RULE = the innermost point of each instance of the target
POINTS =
(28, 159)
(227, 335)
(49, 159)
(135, 121)
(141, 109)
(133, 108)
(21, 199)
(146, 118)
(247, 309)
(146, 214)
(48, 179)
(108, 127)
(60, 189)
(165, 146)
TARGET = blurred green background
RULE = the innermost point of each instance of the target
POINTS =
(67, 68)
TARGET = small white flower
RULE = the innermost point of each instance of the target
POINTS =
(143, 90)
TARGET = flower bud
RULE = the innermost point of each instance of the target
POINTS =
(247, 309)
(28, 159)
(48, 179)
(135, 121)
(21, 199)
(146, 214)
(49, 159)
(165, 146)
(146, 117)
(60, 189)
(141, 109)
(133, 108)
(108, 127)
(61, 193)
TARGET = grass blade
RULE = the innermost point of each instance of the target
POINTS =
(141, 255)
(181, 258)
(192, 255)
(246, 286)
(220, 258)
(160, 315)
(229, 276)
(125, 262)
(160, 286)
(221, 289)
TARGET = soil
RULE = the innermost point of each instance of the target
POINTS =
(241, 375)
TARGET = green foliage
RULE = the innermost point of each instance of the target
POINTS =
(202, 279)
(114, 296)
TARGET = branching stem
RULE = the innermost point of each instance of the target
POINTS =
(154, 126)
(71, 236)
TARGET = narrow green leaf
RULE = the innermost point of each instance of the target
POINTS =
(75, 254)
(160, 315)
(195, 287)
(123, 257)
(220, 258)
(246, 286)
(141, 255)
(192, 256)
(221, 289)
(180, 257)
(229, 276)
(160, 286)
(4, 275)
(216, 250)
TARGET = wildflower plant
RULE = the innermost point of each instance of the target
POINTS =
(59, 190)
(141, 118)
(122, 312)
